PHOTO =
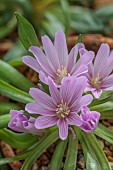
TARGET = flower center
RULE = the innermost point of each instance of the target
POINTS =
(61, 73)
(96, 82)
(62, 110)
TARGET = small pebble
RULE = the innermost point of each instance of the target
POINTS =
(111, 147)
(35, 166)
(108, 152)
(107, 143)
(110, 158)
(110, 121)
(44, 168)
(111, 128)
(106, 123)
(79, 147)
(80, 157)
(81, 164)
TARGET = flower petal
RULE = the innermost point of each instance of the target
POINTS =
(89, 88)
(72, 89)
(67, 85)
(54, 92)
(51, 53)
(61, 47)
(86, 100)
(74, 119)
(81, 70)
(97, 93)
(73, 55)
(43, 99)
(72, 58)
(90, 71)
(45, 122)
(63, 128)
(42, 60)
(34, 108)
(32, 63)
(89, 119)
(107, 82)
(101, 59)
(109, 66)
(43, 77)
(86, 58)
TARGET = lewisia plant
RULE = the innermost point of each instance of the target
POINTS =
(67, 106)
(56, 62)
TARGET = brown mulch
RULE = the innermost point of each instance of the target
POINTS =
(91, 41)
(9, 152)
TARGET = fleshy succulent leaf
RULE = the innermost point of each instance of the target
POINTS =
(56, 159)
(14, 93)
(39, 149)
(71, 158)
(26, 32)
(104, 133)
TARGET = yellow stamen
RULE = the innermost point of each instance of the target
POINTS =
(61, 73)
(96, 82)
(62, 110)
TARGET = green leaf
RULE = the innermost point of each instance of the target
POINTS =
(103, 107)
(7, 106)
(97, 150)
(105, 97)
(3, 167)
(39, 149)
(84, 18)
(14, 77)
(107, 115)
(26, 32)
(91, 162)
(23, 155)
(58, 155)
(9, 27)
(51, 25)
(16, 52)
(66, 15)
(12, 159)
(104, 133)
(16, 62)
(105, 12)
(45, 87)
(17, 140)
(14, 93)
(71, 158)
(4, 120)
(79, 40)
(25, 6)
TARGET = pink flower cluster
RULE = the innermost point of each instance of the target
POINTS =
(68, 79)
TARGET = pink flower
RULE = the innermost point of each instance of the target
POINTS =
(62, 107)
(98, 75)
(89, 119)
(55, 62)
(22, 123)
